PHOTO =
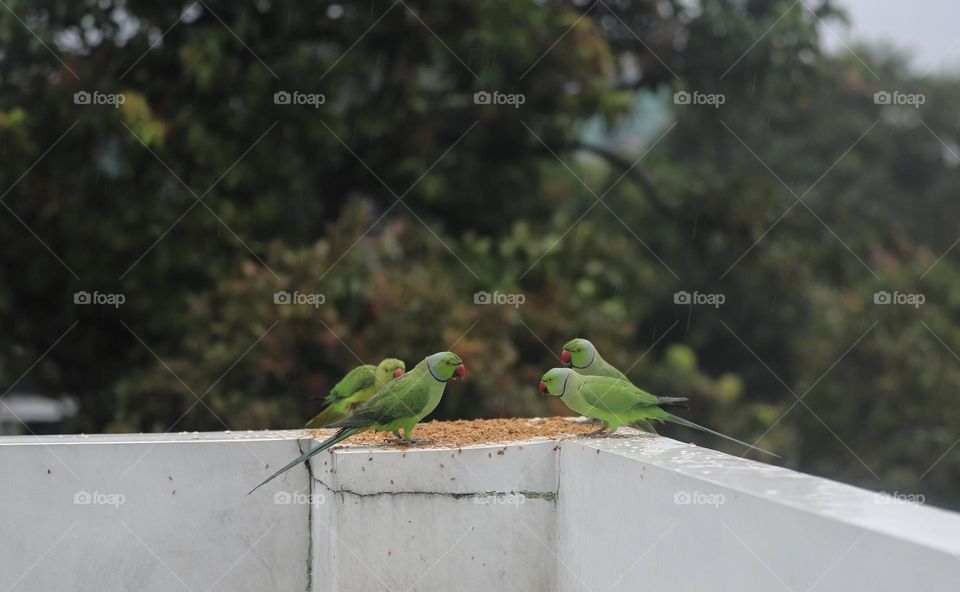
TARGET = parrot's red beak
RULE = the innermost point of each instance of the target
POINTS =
(460, 372)
(565, 356)
(398, 373)
(543, 388)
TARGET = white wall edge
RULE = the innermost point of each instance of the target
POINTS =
(592, 514)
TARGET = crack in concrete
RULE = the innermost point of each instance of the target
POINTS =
(549, 496)
(311, 479)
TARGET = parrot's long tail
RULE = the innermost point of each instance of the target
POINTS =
(690, 424)
(665, 402)
(321, 420)
(340, 436)
(645, 425)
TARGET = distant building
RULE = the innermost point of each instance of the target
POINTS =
(42, 415)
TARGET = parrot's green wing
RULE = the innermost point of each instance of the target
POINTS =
(401, 398)
(617, 396)
(621, 402)
(357, 379)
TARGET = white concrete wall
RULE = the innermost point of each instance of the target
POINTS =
(170, 512)
(479, 518)
(651, 513)
(152, 512)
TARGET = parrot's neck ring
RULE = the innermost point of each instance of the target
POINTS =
(430, 370)
(563, 389)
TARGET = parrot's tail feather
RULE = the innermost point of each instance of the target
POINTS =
(690, 424)
(352, 421)
(324, 418)
(677, 402)
(334, 439)
(646, 425)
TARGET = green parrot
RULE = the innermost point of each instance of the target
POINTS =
(398, 406)
(616, 402)
(357, 386)
(583, 357)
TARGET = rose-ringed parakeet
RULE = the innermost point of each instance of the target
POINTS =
(357, 386)
(397, 407)
(583, 357)
(616, 402)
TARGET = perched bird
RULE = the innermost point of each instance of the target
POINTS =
(397, 407)
(357, 386)
(616, 402)
(582, 356)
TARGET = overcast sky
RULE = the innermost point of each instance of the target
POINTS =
(928, 29)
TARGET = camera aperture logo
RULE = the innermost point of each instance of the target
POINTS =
(699, 498)
(284, 297)
(83, 97)
(896, 97)
(684, 297)
(696, 97)
(99, 498)
(114, 300)
(290, 498)
(884, 297)
(511, 299)
(285, 97)
(498, 98)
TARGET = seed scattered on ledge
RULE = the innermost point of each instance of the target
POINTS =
(460, 433)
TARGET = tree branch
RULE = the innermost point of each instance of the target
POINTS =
(634, 174)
